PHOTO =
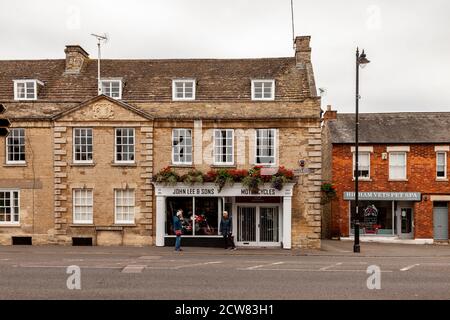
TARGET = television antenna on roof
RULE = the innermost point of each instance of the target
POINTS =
(105, 39)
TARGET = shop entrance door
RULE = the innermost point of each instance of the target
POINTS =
(258, 225)
(406, 223)
(440, 221)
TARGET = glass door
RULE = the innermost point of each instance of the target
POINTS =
(268, 225)
(246, 225)
(406, 222)
(258, 225)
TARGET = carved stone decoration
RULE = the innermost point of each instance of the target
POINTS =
(103, 111)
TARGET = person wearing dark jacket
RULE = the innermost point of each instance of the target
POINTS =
(226, 229)
(177, 227)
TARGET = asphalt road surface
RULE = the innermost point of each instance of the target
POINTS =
(160, 273)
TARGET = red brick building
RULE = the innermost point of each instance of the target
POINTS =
(404, 190)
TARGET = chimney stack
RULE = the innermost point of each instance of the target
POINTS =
(302, 49)
(330, 114)
(76, 58)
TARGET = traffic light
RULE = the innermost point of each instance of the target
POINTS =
(4, 123)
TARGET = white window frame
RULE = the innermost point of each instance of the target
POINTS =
(186, 145)
(354, 165)
(74, 145)
(25, 81)
(226, 146)
(86, 206)
(272, 93)
(275, 147)
(11, 197)
(406, 165)
(110, 82)
(445, 165)
(183, 81)
(118, 221)
(134, 146)
(7, 149)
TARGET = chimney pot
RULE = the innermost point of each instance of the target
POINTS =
(76, 58)
(330, 114)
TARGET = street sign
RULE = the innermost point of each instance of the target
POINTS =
(300, 171)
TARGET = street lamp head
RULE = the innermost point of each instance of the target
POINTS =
(362, 60)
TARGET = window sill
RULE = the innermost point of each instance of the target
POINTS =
(182, 165)
(398, 180)
(441, 179)
(124, 225)
(223, 166)
(83, 164)
(15, 164)
(10, 225)
(81, 225)
(118, 164)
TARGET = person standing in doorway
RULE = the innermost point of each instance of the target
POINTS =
(177, 226)
(226, 228)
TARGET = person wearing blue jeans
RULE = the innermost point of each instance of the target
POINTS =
(177, 226)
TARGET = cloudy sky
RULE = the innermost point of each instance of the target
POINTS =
(408, 42)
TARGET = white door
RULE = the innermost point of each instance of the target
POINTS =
(258, 225)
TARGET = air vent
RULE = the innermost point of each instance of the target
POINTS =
(81, 241)
(21, 241)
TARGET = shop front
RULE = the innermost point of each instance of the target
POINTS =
(260, 219)
(385, 214)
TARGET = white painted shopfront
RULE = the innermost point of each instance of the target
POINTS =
(262, 219)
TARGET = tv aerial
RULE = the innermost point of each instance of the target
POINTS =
(105, 39)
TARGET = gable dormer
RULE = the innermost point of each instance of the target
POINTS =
(27, 89)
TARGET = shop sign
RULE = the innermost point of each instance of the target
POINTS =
(390, 196)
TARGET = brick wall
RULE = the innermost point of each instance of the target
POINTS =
(421, 177)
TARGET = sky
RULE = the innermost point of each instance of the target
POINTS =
(408, 42)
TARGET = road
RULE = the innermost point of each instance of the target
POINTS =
(160, 273)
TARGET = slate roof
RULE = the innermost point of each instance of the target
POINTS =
(151, 80)
(412, 127)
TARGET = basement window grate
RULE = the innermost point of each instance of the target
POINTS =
(80, 241)
(22, 241)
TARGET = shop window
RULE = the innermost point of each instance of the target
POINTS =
(363, 165)
(376, 217)
(200, 215)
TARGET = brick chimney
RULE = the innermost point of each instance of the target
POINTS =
(329, 114)
(302, 49)
(76, 58)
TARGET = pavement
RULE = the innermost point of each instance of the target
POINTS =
(334, 272)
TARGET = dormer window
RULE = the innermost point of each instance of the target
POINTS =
(183, 89)
(26, 89)
(263, 89)
(112, 88)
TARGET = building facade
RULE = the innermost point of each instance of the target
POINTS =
(82, 161)
(403, 176)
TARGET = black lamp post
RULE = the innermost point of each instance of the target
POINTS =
(361, 61)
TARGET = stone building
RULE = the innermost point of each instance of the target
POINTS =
(404, 189)
(77, 167)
